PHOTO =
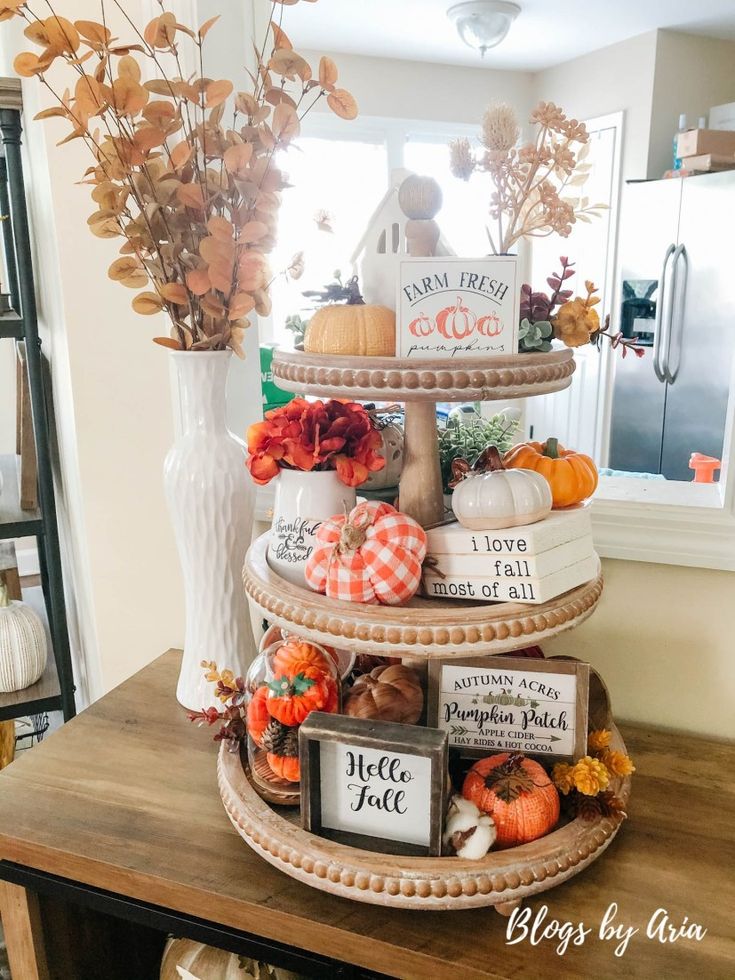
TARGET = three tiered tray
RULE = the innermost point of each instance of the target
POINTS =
(421, 630)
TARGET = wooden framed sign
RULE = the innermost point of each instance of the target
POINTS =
(519, 704)
(455, 308)
(373, 784)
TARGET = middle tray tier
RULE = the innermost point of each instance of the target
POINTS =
(429, 628)
(441, 380)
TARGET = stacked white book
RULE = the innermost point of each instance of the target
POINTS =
(531, 564)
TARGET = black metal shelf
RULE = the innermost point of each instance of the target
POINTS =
(15, 522)
(55, 689)
(11, 326)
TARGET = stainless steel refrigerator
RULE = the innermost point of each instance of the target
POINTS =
(677, 255)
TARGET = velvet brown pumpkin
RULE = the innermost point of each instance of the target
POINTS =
(517, 793)
(389, 693)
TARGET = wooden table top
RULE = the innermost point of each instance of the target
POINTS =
(124, 798)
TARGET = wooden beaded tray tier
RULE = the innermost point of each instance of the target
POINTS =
(423, 628)
(404, 379)
(419, 384)
(502, 878)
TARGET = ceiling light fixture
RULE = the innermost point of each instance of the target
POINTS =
(483, 24)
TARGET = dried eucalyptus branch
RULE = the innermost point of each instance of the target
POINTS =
(195, 201)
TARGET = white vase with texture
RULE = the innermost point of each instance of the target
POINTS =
(211, 500)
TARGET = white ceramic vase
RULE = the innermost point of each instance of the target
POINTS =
(211, 500)
(303, 501)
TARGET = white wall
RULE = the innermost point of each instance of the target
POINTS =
(619, 77)
(693, 74)
(390, 88)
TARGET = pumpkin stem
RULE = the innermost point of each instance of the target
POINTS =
(4, 597)
(551, 448)
(489, 460)
(354, 296)
(351, 538)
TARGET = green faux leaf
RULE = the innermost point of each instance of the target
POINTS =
(302, 684)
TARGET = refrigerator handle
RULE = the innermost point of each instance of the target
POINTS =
(672, 353)
(658, 327)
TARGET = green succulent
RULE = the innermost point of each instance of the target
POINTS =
(534, 336)
(297, 326)
(468, 441)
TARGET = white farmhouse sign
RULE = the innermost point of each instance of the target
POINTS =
(457, 308)
(373, 784)
(364, 790)
(518, 704)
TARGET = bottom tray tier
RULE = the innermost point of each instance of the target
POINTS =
(501, 879)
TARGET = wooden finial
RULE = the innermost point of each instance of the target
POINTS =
(420, 197)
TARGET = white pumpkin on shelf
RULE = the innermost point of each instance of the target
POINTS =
(392, 451)
(23, 648)
(488, 498)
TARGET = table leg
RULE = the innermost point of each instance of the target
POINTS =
(7, 743)
(21, 920)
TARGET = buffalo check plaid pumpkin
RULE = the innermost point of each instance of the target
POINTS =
(372, 555)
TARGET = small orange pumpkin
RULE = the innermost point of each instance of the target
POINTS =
(572, 476)
(285, 766)
(517, 793)
(490, 326)
(257, 716)
(291, 698)
(456, 322)
(295, 655)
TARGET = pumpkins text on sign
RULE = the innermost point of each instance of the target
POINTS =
(457, 308)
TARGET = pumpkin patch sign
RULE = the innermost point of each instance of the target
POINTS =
(516, 704)
(455, 308)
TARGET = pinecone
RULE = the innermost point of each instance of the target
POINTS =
(280, 739)
(605, 804)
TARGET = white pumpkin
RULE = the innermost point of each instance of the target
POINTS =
(185, 958)
(23, 648)
(501, 498)
(392, 452)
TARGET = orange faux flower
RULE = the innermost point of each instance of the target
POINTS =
(306, 436)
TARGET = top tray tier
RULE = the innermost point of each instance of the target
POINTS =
(402, 379)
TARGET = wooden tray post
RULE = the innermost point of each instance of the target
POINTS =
(420, 490)
(421, 494)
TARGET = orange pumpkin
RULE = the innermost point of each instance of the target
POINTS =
(517, 793)
(295, 655)
(285, 766)
(257, 716)
(456, 322)
(572, 476)
(490, 326)
(291, 698)
(422, 326)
